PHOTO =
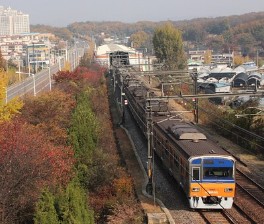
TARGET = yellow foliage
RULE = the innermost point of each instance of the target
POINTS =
(239, 59)
(67, 66)
(3, 84)
(208, 57)
(12, 77)
(138, 39)
(123, 186)
(7, 109)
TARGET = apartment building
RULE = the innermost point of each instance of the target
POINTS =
(13, 22)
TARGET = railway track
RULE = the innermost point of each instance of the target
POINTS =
(166, 188)
(248, 206)
(216, 217)
(250, 187)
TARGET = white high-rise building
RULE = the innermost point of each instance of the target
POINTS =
(13, 22)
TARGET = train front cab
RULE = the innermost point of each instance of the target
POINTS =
(212, 182)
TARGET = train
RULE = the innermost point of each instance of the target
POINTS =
(204, 170)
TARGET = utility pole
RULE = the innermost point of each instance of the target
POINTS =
(149, 187)
(34, 60)
(257, 58)
(149, 69)
(195, 76)
(19, 72)
(34, 84)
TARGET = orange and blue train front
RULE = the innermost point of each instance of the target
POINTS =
(212, 182)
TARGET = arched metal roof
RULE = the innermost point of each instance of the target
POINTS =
(240, 79)
(242, 76)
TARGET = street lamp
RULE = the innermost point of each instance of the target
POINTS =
(34, 85)
(74, 60)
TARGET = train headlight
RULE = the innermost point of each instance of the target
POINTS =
(228, 189)
(195, 189)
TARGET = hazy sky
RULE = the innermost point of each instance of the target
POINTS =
(64, 12)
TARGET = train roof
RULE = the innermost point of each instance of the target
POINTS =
(185, 135)
(189, 139)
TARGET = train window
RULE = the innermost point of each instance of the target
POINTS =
(212, 172)
(195, 173)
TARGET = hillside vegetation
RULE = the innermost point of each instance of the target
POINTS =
(243, 33)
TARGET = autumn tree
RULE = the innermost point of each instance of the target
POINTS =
(246, 41)
(194, 33)
(138, 39)
(88, 57)
(67, 67)
(168, 46)
(208, 57)
(2, 62)
(28, 163)
(239, 60)
(51, 112)
(215, 43)
(8, 109)
(76, 81)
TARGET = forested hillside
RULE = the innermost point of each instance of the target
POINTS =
(244, 33)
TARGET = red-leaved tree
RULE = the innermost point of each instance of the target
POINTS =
(28, 163)
(50, 111)
(80, 76)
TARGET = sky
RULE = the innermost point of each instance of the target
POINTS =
(61, 13)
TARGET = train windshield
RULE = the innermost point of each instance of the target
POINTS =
(215, 172)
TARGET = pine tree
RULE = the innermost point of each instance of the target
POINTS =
(84, 130)
(46, 212)
(72, 206)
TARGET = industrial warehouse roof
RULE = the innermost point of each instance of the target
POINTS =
(109, 48)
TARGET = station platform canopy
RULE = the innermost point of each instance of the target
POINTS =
(110, 48)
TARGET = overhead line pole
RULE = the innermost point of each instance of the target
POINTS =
(149, 187)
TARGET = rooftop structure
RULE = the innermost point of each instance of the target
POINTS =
(102, 54)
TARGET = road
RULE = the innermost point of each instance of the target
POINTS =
(42, 80)
(33, 84)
